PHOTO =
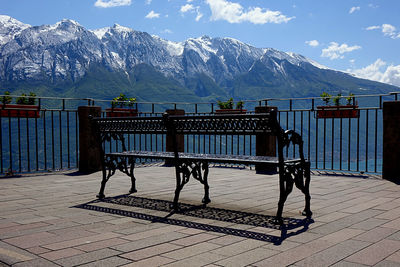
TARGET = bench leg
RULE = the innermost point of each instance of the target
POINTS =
(108, 169)
(206, 198)
(182, 173)
(306, 190)
(285, 188)
(130, 173)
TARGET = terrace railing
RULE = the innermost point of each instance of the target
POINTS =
(51, 142)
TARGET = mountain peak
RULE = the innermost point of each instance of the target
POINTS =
(9, 27)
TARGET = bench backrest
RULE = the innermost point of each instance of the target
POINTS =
(239, 124)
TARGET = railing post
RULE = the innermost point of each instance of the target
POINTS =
(265, 144)
(391, 141)
(89, 149)
(180, 140)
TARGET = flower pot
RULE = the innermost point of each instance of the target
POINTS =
(19, 111)
(121, 112)
(348, 111)
(230, 111)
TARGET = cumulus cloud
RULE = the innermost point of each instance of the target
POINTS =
(335, 51)
(313, 43)
(235, 13)
(354, 9)
(387, 30)
(192, 9)
(187, 8)
(152, 15)
(379, 71)
(112, 3)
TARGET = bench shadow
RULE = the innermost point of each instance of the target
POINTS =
(290, 226)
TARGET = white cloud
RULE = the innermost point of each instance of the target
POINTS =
(387, 30)
(379, 71)
(167, 31)
(199, 15)
(370, 28)
(354, 9)
(186, 8)
(313, 43)
(152, 15)
(148, 2)
(235, 13)
(335, 51)
(112, 3)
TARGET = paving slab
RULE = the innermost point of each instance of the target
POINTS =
(56, 220)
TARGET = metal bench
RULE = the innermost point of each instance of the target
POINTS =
(291, 171)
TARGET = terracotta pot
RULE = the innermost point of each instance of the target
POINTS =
(349, 111)
(121, 112)
(19, 111)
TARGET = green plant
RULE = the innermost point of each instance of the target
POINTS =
(349, 99)
(239, 105)
(326, 97)
(226, 105)
(123, 101)
(336, 99)
(229, 104)
(6, 99)
(27, 99)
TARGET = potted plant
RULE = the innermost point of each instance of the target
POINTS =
(122, 106)
(25, 106)
(337, 110)
(227, 107)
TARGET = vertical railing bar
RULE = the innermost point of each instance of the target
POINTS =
(61, 146)
(9, 141)
(316, 143)
(231, 144)
(358, 144)
(324, 156)
(309, 137)
(287, 127)
(19, 142)
(376, 140)
(52, 139)
(28, 145)
(68, 143)
(349, 147)
(294, 129)
(244, 145)
(76, 139)
(204, 143)
(366, 139)
(341, 144)
(1, 145)
(333, 142)
(44, 140)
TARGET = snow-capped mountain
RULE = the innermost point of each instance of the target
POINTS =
(66, 51)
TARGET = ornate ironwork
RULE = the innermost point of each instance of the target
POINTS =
(293, 171)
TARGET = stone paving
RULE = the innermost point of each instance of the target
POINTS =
(356, 222)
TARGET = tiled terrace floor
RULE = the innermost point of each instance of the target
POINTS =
(356, 222)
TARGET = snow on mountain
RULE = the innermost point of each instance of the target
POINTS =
(9, 27)
(66, 49)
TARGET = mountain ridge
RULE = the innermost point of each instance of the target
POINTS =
(67, 55)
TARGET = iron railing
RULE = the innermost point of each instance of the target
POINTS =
(51, 142)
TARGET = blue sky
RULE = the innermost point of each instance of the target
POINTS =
(358, 36)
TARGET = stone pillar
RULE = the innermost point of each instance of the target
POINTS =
(169, 145)
(89, 151)
(391, 141)
(265, 145)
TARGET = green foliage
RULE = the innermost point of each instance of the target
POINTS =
(6, 99)
(336, 99)
(226, 105)
(349, 98)
(239, 105)
(27, 99)
(123, 101)
(229, 104)
(326, 97)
